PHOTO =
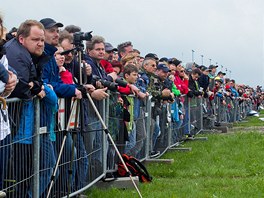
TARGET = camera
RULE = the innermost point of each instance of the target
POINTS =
(78, 37)
(112, 86)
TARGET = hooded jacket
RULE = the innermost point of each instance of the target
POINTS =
(182, 85)
(51, 75)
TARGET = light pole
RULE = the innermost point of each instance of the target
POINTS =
(192, 55)
(202, 59)
(230, 74)
(210, 60)
(222, 67)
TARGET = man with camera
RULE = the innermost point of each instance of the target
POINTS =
(51, 76)
(96, 51)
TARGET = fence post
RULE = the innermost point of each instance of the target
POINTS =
(104, 146)
(36, 149)
(148, 123)
(200, 102)
(189, 114)
(169, 125)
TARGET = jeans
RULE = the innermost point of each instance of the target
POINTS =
(48, 158)
(186, 120)
(132, 136)
(5, 150)
(23, 169)
(140, 136)
(156, 133)
(175, 130)
(65, 175)
(82, 163)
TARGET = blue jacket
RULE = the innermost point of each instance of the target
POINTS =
(97, 70)
(51, 75)
(234, 91)
(24, 134)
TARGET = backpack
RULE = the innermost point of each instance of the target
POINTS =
(135, 167)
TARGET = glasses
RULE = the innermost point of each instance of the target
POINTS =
(182, 71)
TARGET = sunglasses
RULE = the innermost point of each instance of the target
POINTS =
(182, 71)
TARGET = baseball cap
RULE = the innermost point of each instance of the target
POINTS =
(109, 47)
(219, 73)
(163, 67)
(163, 59)
(213, 66)
(152, 55)
(204, 68)
(49, 23)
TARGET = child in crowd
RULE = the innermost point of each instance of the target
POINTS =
(130, 75)
(65, 75)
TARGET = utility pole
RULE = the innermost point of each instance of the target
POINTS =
(210, 60)
(192, 55)
(202, 58)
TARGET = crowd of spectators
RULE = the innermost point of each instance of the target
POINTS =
(39, 59)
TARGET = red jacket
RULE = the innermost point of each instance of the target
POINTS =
(107, 66)
(124, 90)
(182, 85)
(66, 77)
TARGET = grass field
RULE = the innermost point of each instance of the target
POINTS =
(226, 165)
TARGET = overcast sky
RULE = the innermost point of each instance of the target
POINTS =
(229, 32)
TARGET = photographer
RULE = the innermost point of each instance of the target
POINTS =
(66, 41)
(96, 51)
(51, 76)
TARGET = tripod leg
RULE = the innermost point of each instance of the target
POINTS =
(112, 142)
(73, 148)
(60, 155)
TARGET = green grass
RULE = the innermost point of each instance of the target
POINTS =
(227, 165)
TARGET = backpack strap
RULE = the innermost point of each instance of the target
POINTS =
(142, 167)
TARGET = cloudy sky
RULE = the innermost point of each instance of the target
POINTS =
(229, 32)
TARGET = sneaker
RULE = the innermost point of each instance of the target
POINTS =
(2, 194)
(189, 137)
(154, 154)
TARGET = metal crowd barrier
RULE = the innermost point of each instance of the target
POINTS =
(29, 161)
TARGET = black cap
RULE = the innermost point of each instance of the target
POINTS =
(219, 73)
(213, 66)
(204, 68)
(163, 59)
(49, 23)
(152, 55)
(163, 67)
